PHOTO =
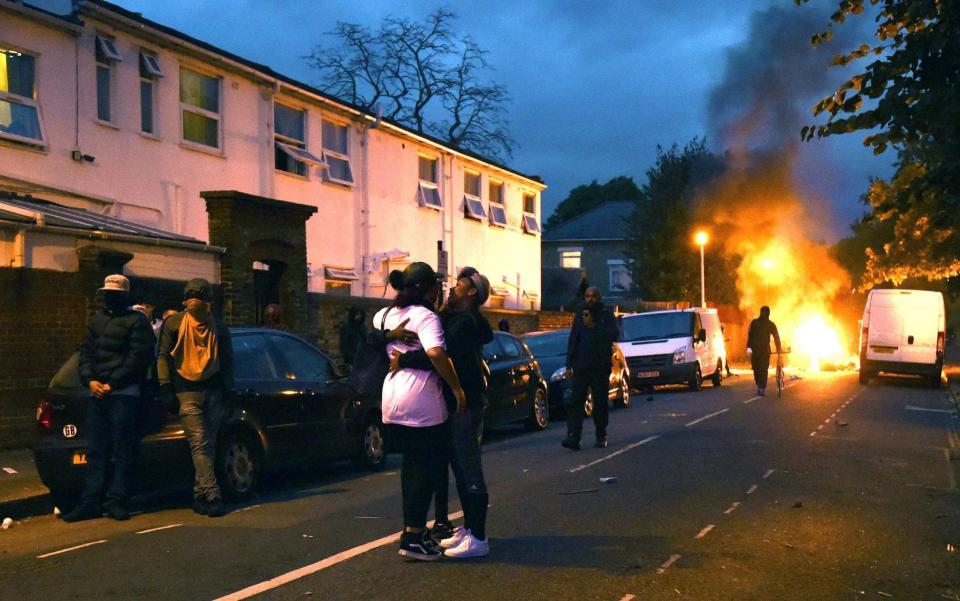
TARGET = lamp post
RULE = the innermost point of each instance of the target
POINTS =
(701, 238)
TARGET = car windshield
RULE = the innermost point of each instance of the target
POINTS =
(655, 326)
(548, 345)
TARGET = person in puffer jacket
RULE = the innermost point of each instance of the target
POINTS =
(114, 357)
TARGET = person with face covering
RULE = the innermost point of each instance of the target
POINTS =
(758, 347)
(352, 331)
(195, 369)
(114, 358)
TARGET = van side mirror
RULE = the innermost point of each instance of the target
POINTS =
(702, 335)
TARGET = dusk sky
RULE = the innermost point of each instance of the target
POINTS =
(596, 86)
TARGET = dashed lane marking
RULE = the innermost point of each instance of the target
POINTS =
(628, 598)
(769, 473)
(148, 531)
(752, 489)
(615, 453)
(706, 417)
(706, 530)
(732, 508)
(68, 549)
(313, 568)
(751, 399)
(666, 565)
(930, 410)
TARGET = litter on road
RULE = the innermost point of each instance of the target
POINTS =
(841, 423)
(7, 522)
(578, 492)
(10, 470)
(610, 479)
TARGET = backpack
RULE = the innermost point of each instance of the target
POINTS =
(371, 363)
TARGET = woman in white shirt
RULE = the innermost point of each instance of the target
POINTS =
(412, 403)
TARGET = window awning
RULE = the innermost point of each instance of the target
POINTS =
(533, 296)
(499, 291)
(498, 215)
(473, 207)
(108, 49)
(530, 224)
(429, 196)
(301, 154)
(340, 273)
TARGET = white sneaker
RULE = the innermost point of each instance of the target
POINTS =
(458, 535)
(469, 547)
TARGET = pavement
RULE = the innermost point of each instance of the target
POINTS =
(21, 493)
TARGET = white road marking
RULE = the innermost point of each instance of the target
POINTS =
(814, 433)
(706, 530)
(732, 508)
(706, 417)
(313, 568)
(10, 470)
(752, 489)
(68, 549)
(929, 410)
(628, 598)
(666, 565)
(372, 517)
(769, 473)
(750, 400)
(820, 427)
(160, 528)
(615, 453)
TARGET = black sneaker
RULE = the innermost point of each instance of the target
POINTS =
(601, 442)
(570, 443)
(415, 545)
(116, 511)
(441, 531)
(200, 506)
(85, 511)
(216, 508)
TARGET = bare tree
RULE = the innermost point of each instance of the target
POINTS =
(421, 75)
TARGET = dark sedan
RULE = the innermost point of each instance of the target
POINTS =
(291, 407)
(517, 390)
(550, 349)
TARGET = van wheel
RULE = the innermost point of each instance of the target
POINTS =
(864, 376)
(696, 379)
(540, 413)
(717, 378)
(239, 466)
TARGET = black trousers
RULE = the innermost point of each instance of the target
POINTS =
(465, 430)
(760, 362)
(425, 459)
(112, 438)
(597, 382)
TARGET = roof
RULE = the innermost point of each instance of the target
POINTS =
(34, 211)
(268, 72)
(606, 221)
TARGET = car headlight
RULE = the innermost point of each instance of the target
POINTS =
(560, 374)
(680, 355)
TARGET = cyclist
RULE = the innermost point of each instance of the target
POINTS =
(758, 347)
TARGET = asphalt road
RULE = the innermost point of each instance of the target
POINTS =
(834, 492)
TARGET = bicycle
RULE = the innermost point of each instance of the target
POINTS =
(780, 375)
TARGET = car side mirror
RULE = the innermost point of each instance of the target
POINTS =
(702, 335)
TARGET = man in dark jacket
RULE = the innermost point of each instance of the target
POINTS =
(114, 357)
(589, 356)
(465, 331)
(195, 363)
(352, 331)
(758, 347)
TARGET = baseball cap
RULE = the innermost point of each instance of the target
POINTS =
(115, 283)
(198, 288)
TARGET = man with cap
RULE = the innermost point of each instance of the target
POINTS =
(465, 330)
(114, 358)
(195, 370)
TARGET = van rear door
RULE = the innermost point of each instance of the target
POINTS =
(921, 323)
(885, 327)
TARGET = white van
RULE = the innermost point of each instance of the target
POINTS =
(903, 331)
(673, 347)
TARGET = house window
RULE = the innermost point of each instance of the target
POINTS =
(621, 280)
(427, 193)
(19, 111)
(570, 258)
(498, 213)
(530, 223)
(337, 280)
(336, 153)
(289, 135)
(472, 205)
(106, 54)
(200, 108)
(149, 73)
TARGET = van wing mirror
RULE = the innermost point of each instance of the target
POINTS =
(702, 335)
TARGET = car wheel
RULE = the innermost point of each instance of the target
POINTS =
(540, 412)
(623, 392)
(240, 466)
(696, 379)
(864, 377)
(373, 448)
(717, 378)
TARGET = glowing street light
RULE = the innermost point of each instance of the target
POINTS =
(701, 238)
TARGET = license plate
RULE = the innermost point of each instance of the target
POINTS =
(79, 457)
(889, 350)
(648, 374)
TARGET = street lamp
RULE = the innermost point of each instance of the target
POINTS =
(701, 238)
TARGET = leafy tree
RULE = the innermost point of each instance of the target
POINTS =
(421, 75)
(666, 264)
(585, 197)
(906, 98)
(868, 234)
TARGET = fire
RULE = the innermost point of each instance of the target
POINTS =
(817, 341)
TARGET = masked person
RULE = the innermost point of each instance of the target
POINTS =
(114, 358)
(589, 356)
(758, 347)
(352, 331)
(465, 332)
(195, 369)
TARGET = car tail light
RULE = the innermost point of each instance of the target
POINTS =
(45, 415)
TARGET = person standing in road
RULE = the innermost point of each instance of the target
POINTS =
(273, 317)
(758, 347)
(352, 331)
(195, 369)
(589, 356)
(465, 331)
(413, 406)
(114, 358)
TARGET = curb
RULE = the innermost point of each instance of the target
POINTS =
(27, 507)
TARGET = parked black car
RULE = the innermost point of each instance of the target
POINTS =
(550, 349)
(517, 390)
(291, 407)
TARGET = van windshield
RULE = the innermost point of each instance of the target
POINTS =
(657, 326)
